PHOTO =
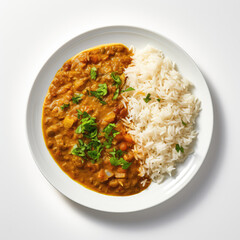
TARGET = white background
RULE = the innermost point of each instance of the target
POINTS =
(208, 208)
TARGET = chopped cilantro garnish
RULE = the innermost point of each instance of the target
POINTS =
(185, 124)
(79, 149)
(116, 159)
(88, 128)
(64, 106)
(85, 115)
(95, 148)
(94, 154)
(147, 99)
(158, 99)
(116, 78)
(102, 102)
(179, 148)
(93, 73)
(92, 150)
(109, 130)
(117, 83)
(88, 124)
(77, 97)
(116, 94)
(101, 91)
(128, 89)
(108, 143)
(94, 143)
(79, 113)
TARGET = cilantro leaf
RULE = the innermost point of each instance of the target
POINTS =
(115, 133)
(77, 97)
(117, 153)
(94, 154)
(86, 115)
(115, 160)
(115, 96)
(108, 142)
(88, 128)
(158, 99)
(94, 149)
(79, 149)
(93, 73)
(179, 148)
(64, 106)
(102, 102)
(116, 78)
(128, 89)
(108, 129)
(185, 124)
(88, 124)
(124, 164)
(79, 113)
(147, 99)
(94, 143)
(101, 91)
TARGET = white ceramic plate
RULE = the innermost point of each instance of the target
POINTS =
(155, 194)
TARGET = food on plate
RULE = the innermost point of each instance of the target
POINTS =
(161, 113)
(116, 119)
(82, 122)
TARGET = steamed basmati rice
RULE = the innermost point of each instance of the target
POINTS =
(158, 126)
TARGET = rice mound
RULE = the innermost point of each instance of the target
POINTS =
(157, 127)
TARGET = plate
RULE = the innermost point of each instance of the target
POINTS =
(155, 194)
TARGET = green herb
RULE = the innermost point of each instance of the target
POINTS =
(86, 115)
(77, 97)
(96, 148)
(107, 144)
(101, 91)
(185, 124)
(102, 102)
(158, 99)
(94, 155)
(88, 125)
(115, 160)
(117, 83)
(115, 133)
(64, 106)
(93, 73)
(119, 153)
(179, 148)
(92, 134)
(79, 113)
(128, 89)
(79, 149)
(147, 99)
(88, 128)
(116, 78)
(93, 149)
(94, 143)
(116, 94)
(109, 130)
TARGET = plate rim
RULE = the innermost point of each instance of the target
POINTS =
(119, 27)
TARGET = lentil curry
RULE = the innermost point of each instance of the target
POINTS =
(82, 122)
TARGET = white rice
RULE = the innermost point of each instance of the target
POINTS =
(157, 126)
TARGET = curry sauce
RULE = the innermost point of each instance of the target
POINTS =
(82, 122)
